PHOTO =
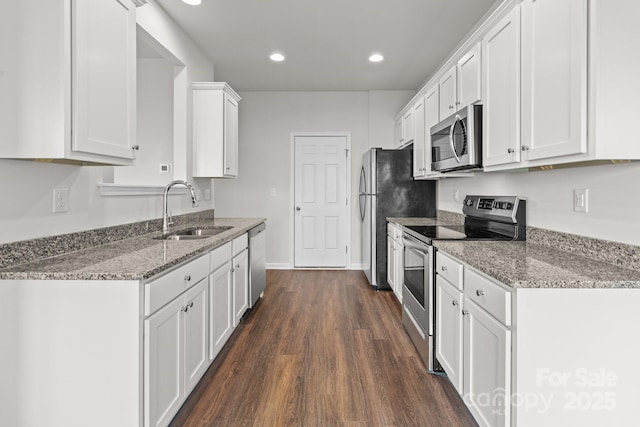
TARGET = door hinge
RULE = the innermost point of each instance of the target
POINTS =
(346, 201)
(346, 152)
(346, 249)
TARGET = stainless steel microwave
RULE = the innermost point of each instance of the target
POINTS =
(456, 142)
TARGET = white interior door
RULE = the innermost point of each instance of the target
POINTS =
(320, 201)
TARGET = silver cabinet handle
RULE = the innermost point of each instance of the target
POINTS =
(450, 107)
(297, 208)
(479, 292)
(190, 304)
(187, 278)
(525, 148)
(135, 148)
(465, 312)
(510, 150)
(238, 266)
(185, 308)
(444, 268)
(454, 302)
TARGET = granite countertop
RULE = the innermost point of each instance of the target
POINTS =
(406, 222)
(135, 258)
(527, 265)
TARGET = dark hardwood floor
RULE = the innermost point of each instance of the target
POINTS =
(322, 348)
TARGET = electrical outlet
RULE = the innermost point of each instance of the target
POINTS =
(456, 195)
(581, 200)
(198, 194)
(207, 194)
(60, 200)
(165, 167)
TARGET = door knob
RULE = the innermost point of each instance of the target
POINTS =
(297, 208)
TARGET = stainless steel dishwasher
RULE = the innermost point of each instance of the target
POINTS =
(258, 274)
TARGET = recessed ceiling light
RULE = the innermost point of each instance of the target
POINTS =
(376, 57)
(277, 57)
(192, 2)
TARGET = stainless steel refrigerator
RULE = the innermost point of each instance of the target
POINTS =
(387, 189)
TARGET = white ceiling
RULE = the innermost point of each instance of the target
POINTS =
(327, 43)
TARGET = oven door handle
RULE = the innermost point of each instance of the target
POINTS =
(415, 244)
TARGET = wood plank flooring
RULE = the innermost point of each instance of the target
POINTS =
(322, 348)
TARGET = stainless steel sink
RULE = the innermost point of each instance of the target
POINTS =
(205, 232)
(194, 233)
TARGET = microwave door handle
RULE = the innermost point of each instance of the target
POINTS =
(453, 147)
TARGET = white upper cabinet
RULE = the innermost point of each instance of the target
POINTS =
(408, 126)
(501, 71)
(215, 130)
(469, 77)
(462, 84)
(67, 81)
(448, 95)
(419, 167)
(397, 132)
(554, 78)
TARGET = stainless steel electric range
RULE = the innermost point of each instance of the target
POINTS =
(486, 218)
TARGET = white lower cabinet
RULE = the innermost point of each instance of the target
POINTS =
(473, 347)
(175, 353)
(221, 313)
(240, 285)
(449, 331)
(395, 259)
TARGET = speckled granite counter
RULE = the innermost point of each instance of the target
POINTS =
(135, 258)
(443, 218)
(527, 265)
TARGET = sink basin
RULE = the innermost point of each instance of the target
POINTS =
(194, 233)
(205, 232)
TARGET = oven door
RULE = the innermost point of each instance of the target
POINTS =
(417, 292)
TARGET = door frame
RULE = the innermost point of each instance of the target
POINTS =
(292, 160)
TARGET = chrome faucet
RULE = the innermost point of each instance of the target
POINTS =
(165, 202)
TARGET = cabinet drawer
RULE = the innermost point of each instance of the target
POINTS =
(240, 243)
(219, 256)
(490, 296)
(160, 291)
(450, 269)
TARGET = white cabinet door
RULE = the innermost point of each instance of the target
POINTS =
(448, 95)
(398, 252)
(104, 71)
(419, 168)
(487, 367)
(431, 118)
(408, 126)
(240, 286)
(449, 330)
(196, 349)
(220, 308)
(501, 116)
(230, 136)
(397, 132)
(163, 364)
(391, 263)
(469, 78)
(554, 78)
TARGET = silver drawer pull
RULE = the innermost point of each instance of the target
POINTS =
(185, 308)
(187, 278)
(191, 304)
(444, 268)
(454, 302)
(465, 312)
(479, 292)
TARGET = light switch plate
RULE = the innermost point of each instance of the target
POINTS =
(60, 200)
(581, 200)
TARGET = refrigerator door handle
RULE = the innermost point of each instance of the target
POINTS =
(363, 181)
(363, 204)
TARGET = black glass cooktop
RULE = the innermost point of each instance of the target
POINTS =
(453, 232)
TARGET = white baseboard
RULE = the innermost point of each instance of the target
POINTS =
(287, 266)
(278, 266)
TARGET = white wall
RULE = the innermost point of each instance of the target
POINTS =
(614, 198)
(26, 210)
(266, 122)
